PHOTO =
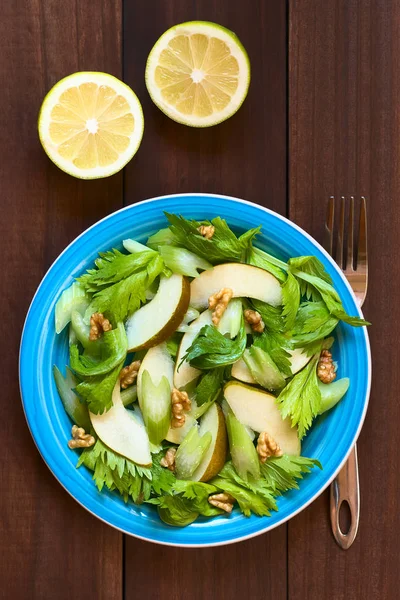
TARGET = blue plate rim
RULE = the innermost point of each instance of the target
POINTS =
(367, 346)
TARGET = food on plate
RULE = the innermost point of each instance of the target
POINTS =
(198, 363)
(90, 124)
(198, 73)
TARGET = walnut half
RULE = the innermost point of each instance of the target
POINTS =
(254, 319)
(180, 403)
(169, 459)
(218, 303)
(129, 374)
(98, 324)
(80, 439)
(267, 446)
(207, 231)
(224, 501)
(326, 369)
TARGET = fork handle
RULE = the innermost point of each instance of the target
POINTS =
(345, 488)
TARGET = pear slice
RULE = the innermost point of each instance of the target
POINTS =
(298, 359)
(184, 373)
(176, 435)
(121, 432)
(245, 281)
(259, 411)
(214, 422)
(157, 320)
(242, 372)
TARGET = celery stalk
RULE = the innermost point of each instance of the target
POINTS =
(191, 452)
(129, 395)
(156, 407)
(77, 411)
(232, 318)
(161, 238)
(73, 298)
(190, 315)
(243, 453)
(133, 246)
(331, 393)
(263, 368)
(182, 261)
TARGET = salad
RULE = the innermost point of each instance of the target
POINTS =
(197, 364)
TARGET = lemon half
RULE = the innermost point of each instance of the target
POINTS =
(91, 124)
(198, 73)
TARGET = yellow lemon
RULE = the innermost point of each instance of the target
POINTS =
(91, 124)
(198, 73)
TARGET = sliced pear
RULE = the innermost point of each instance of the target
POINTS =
(215, 457)
(259, 411)
(242, 372)
(121, 432)
(157, 320)
(176, 435)
(184, 373)
(159, 364)
(245, 281)
(298, 359)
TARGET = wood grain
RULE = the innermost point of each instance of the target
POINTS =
(50, 546)
(344, 126)
(244, 157)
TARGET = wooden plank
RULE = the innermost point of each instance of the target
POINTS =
(244, 157)
(50, 546)
(344, 129)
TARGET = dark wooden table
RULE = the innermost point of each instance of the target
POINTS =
(322, 117)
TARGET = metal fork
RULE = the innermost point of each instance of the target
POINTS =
(345, 487)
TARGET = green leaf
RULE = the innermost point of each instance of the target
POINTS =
(163, 237)
(281, 474)
(313, 266)
(97, 391)
(209, 386)
(271, 315)
(173, 344)
(224, 246)
(301, 398)
(211, 349)
(276, 346)
(291, 300)
(114, 349)
(183, 262)
(319, 287)
(278, 475)
(263, 260)
(120, 281)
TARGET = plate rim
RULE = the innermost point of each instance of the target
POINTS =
(367, 345)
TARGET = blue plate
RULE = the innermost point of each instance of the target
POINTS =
(330, 439)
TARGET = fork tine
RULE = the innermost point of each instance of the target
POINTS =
(350, 237)
(329, 224)
(340, 239)
(362, 257)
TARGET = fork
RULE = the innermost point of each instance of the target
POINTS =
(345, 487)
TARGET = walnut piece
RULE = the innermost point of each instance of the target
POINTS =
(326, 369)
(254, 319)
(206, 231)
(80, 439)
(267, 446)
(169, 459)
(180, 403)
(218, 303)
(129, 374)
(224, 501)
(98, 324)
